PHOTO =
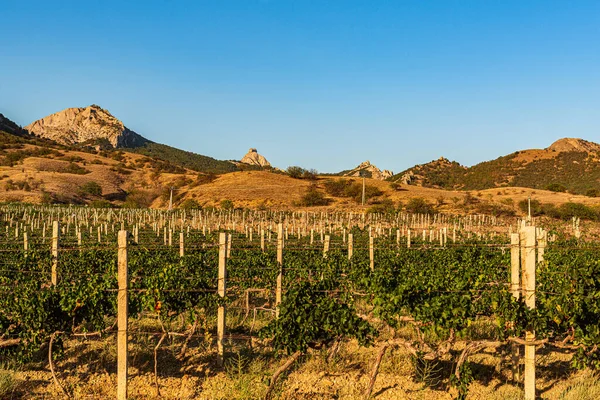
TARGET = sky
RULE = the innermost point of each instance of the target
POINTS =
(318, 84)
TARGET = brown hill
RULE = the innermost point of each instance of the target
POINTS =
(566, 165)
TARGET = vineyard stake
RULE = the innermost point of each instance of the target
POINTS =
(122, 356)
(55, 236)
(280, 264)
(529, 294)
(515, 267)
(350, 245)
(221, 292)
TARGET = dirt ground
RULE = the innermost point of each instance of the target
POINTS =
(88, 371)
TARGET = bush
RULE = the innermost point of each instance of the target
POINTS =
(90, 188)
(418, 205)
(295, 172)
(350, 188)
(592, 193)
(313, 197)
(101, 204)
(139, 199)
(536, 207)
(556, 187)
(190, 204)
(570, 210)
(301, 173)
(226, 204)
(386, 206)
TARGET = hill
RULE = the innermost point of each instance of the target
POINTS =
(96, 128)
(8, 126)
(367, 170)
(567, 165)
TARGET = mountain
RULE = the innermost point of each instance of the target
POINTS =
(85, 124)
(253, 158)
(97, 128)
(568, 164)
(8, 126)
(368, 170)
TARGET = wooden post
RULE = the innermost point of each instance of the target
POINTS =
(350, 245)
(528, 281)
(280, 263)
(122, 356)
(25, 241)
(326, 245)
(181, 245)
(221, 293)
(515, 267)
(262, 239)
(55, 239)
(229, 242)
(371, 253)
(408, 239)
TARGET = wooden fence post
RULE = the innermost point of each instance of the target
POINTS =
(350, 245)
(262, 239)
(122, 356)
(181, 245)
(515, 269)
(371, 253)
(221, 293)
(528, 282)
(326, 245)
(55, 240)
(280, 264)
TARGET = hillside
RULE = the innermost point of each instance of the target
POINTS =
(568, 164)
(6, 125)
(93, 127)
(367, 170)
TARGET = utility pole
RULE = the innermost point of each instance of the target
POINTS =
(171, 200)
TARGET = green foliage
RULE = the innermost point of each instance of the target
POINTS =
(351, 188)
(310, 317)
(226, 204)
(190, 204)
(556, 187)
(139, 198)
(419, 205)
(184, 159)
(90, 188)
(313, 197)
(301, 173)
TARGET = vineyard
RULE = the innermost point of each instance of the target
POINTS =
(157, 295)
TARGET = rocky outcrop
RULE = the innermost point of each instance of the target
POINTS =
(368, 170)
(253, 158)
(574, 144)
(89, 124)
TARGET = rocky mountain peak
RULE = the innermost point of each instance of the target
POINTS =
(368, 170)
(253, 158)
(574, 144)
(83, 124)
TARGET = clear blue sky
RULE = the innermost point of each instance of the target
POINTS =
(320, 84)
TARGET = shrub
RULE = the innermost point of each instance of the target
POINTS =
(536, 207)
(592, 193)
(101, 204)
(418, 205)
(295, 172)
(386, 206)
(313, 197)
(556, 187)
(226, 204)
(90, 188)
(570, 210)
(138, 198)
(190, 204)
(301, 173)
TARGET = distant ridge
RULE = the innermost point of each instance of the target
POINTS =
(571, 164)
